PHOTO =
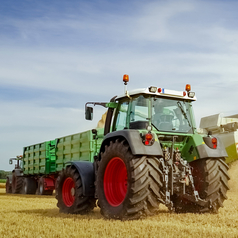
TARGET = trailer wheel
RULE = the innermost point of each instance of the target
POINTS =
(8, 185)
(69, 193)
(41, 188)
(211, 181)
(17, 182)
(128, 187)
(29, 186)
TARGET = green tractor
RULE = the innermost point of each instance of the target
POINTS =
(14, 181)
(149, 153)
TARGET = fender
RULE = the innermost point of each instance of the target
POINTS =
(135, 142)
(87, 174)
(205, 151)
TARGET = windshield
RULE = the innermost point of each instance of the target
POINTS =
(168, 115)
(171, 115)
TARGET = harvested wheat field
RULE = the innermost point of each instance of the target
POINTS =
(38, 216)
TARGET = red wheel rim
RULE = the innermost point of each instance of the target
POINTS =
(115, 181)
(68, 192)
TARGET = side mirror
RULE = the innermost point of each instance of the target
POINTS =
(89, 113)
(10, 161)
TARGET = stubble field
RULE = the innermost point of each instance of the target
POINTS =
(37, 216)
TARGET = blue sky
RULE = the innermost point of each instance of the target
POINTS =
(57, 55)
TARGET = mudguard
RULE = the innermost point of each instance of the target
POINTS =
(135, 142)
(205, 151)
(87, 174)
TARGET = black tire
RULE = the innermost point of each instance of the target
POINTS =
(9, 185)
(211, 181)
(69, 193)
(17, 182)
(41, 189)
(128, 187)
(29, 186)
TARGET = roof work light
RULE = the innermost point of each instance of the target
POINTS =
(153, 89)
(188, 87)
(125, 78)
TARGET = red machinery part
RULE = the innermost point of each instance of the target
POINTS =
(115, 181)
(49, 183)
(68, 192)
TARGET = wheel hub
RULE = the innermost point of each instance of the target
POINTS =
(115, 181)
(68, 192)
(72, 191)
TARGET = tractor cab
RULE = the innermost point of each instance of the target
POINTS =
(153, 108)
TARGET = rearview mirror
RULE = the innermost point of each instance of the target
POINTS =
(89, 113)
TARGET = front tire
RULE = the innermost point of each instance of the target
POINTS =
(128, 187)
(29, 186)
(211, 181)
(69, 193)
(9, 185)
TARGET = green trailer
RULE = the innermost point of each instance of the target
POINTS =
(149, 152)
(41, 163)
(51, 156)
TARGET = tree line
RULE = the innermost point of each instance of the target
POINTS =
(3, 174)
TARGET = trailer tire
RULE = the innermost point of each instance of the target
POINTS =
(8, 185)
(29, 186)
(41, 189)
(69, 193)
(211, 181)
(17, 182)
(128, 186)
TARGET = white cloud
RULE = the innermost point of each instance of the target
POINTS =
(154, 22)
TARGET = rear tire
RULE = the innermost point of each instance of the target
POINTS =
(41, 188)
(128, 187)
(29, 186)
(69, 193)
(8, 185)
(17, 182)
(211, 181)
